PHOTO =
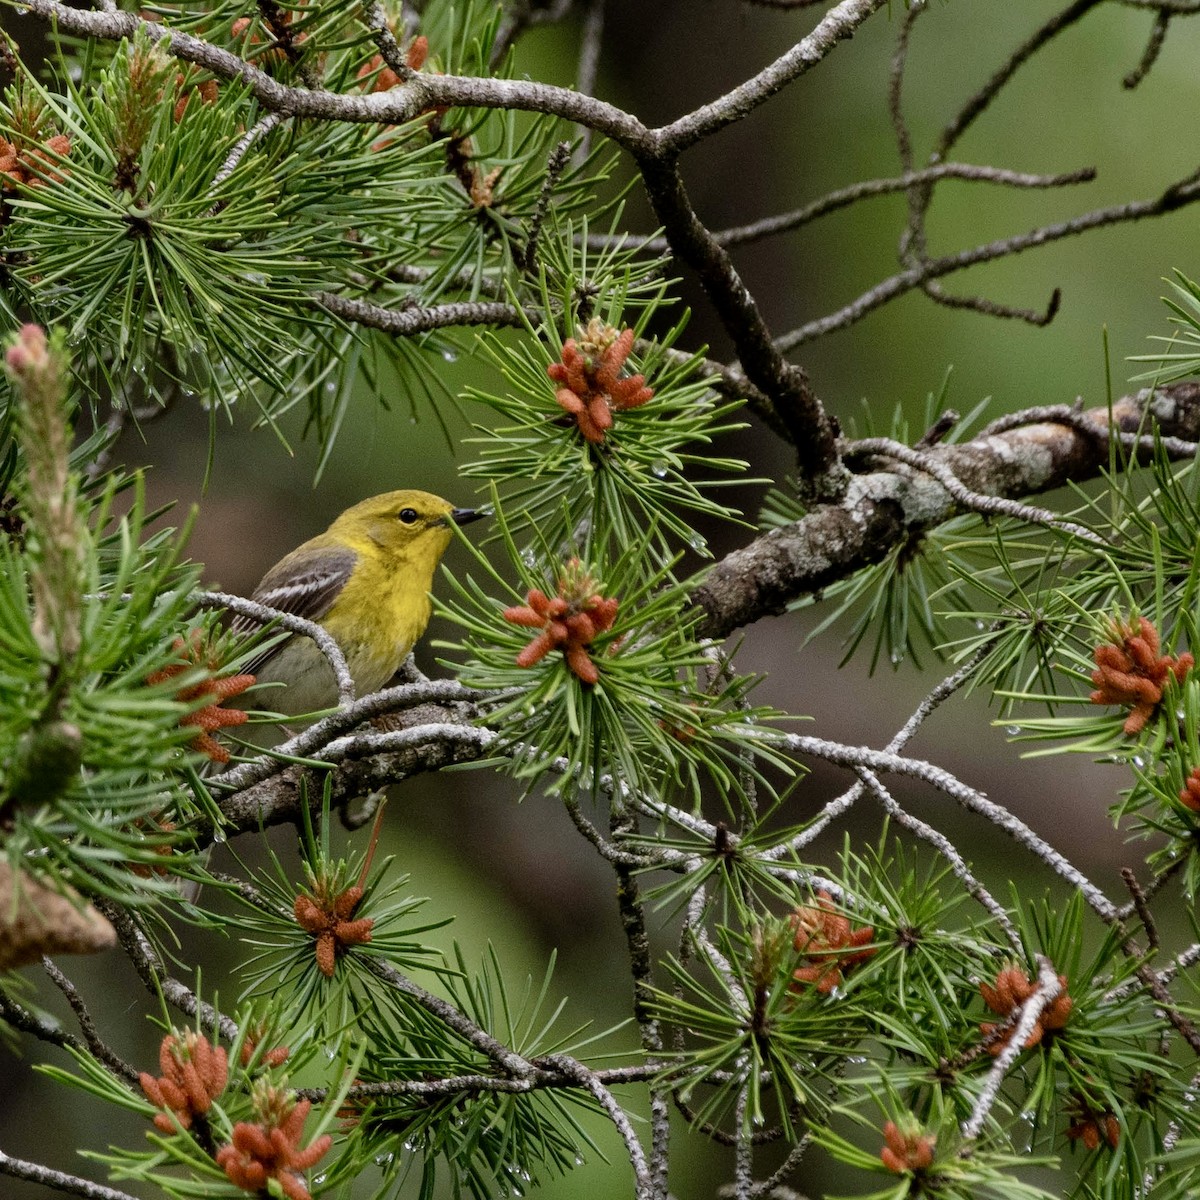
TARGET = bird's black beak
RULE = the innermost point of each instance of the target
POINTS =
(464, 516)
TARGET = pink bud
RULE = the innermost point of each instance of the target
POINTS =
(29, 351)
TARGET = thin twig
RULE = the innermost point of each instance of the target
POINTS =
(1183, 961)
(1179, 8)
(714, 1133)
(264, 614)
(59, 1181)
(743, 1157)
(979, 102)
(113, 428)
(743, 235)
(554, 168)
(607, 849)
(637, 941)
(840, 804)
(1176, 196)
(913, 242)
(947, 850)
(1141, 907)
(520, 15)
(773, 1185)
(20, 1018)
(1158, 36)
(414, 320)
(607, 1101)
(545, 1079)
(100, 1050)
(1176, 1127)
(508, 1060)
(855, 757)
(838, 23)
(1157, 988)
(385, 40)
(256, 131)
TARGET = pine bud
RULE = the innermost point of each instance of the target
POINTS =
(47, 760)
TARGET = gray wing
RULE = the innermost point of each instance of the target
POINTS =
(305, 583)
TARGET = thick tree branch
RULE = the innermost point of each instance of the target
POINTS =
(364, 763)
(884, 507)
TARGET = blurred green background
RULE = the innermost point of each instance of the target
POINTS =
(516, 875)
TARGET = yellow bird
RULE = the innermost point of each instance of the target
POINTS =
(366, 579)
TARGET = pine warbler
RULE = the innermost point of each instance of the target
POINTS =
(366, 579)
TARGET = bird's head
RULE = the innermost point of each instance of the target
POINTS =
(408, 524)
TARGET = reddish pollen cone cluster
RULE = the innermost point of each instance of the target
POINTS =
(1011, 989)
(35, 166)
(1189, 794)
(414, 57)
(906, 1149)
(826, 938)
(270, 1149)
(213, 715)
(194, 1074)
(1092, 1128)
(591, 385)
(570, 621)
(330, 920)
(1131, 672)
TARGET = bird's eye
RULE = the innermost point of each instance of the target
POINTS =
(408, 515)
